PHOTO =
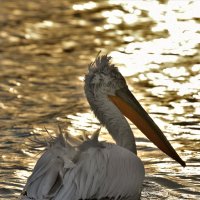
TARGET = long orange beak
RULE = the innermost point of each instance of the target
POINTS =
(132, 109)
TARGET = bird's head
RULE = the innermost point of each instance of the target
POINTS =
(103, 77)
(103, 80)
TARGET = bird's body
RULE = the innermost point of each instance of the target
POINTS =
(93, 169)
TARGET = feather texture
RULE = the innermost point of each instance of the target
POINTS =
(92, 169)
(102, 170)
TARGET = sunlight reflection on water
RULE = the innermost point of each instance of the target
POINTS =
(45, 49)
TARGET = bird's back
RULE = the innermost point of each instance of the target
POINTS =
(99, 171)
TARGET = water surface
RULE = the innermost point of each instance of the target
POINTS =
(45, 48)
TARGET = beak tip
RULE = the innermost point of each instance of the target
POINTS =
(183, 164)
(180, 161)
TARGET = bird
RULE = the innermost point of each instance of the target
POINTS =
(93, 169)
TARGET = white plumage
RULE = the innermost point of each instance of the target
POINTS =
(93, 169)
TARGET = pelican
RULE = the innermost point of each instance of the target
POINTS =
(97, 169)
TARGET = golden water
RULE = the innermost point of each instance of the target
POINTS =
(45, 48)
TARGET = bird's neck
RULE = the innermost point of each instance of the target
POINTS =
(116, 124)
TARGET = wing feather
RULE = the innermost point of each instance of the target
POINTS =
(110, 172)
(105, 171)
(48, 173)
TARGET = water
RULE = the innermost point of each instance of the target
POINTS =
(45, 48)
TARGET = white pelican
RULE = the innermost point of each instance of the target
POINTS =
(93, 169)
